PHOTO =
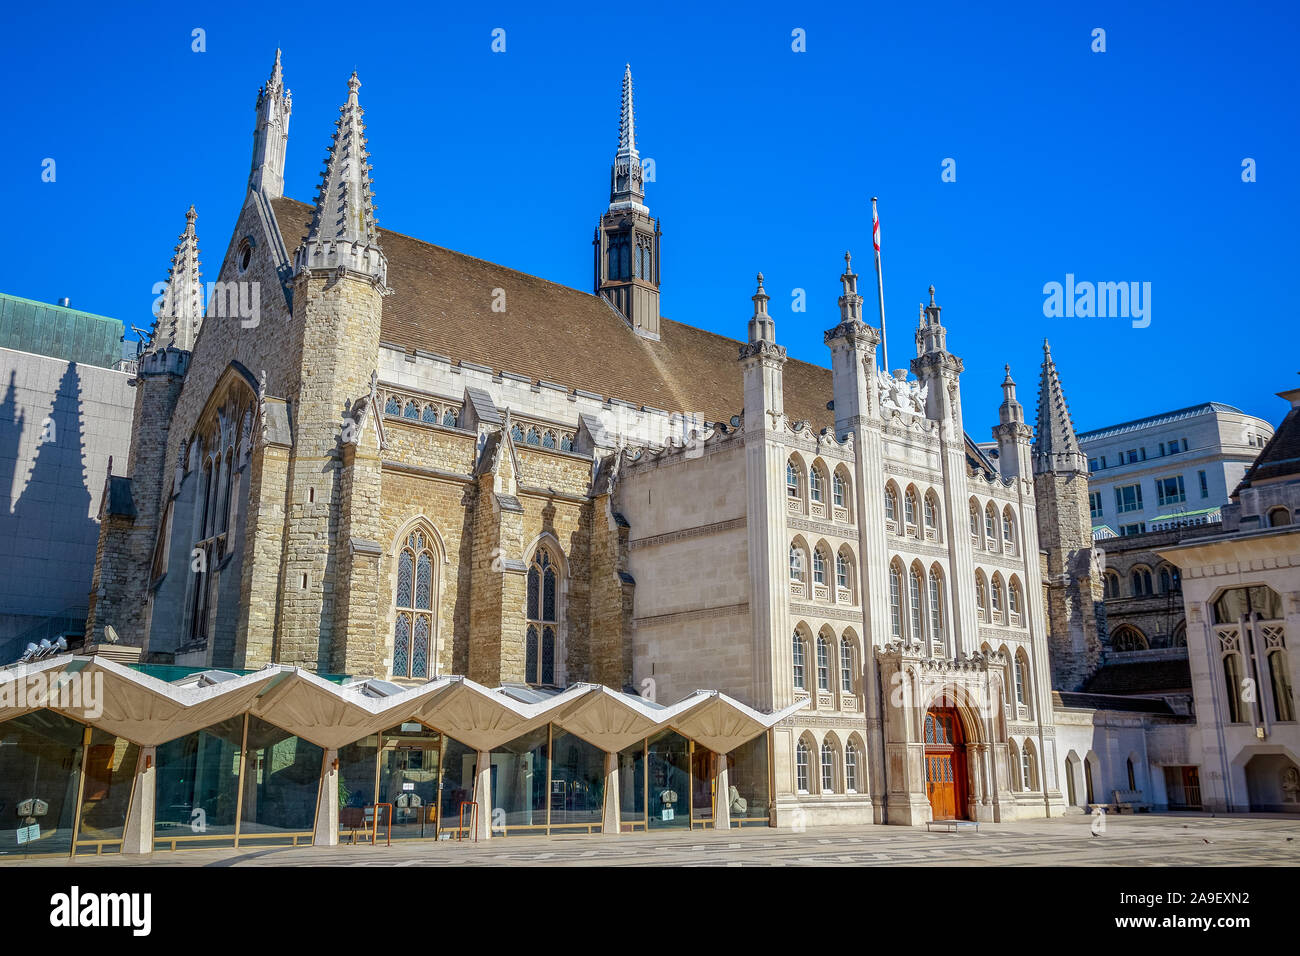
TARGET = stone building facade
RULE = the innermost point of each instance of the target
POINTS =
(337, 466)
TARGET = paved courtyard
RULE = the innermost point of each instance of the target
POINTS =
(1141, 840)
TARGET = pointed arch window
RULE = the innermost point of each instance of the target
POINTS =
(974, 523)
(413, 627)
(909, 508)
(851, 768)
(815, 484)
(930, 513)
(936, 607)
(823, 664)
(801, 766)
(846, 665)
(996, 591)
(819, 566)
(891, 505)
(837, 490)
(543, 619)
(895, 602)
(916, 605)
(842, 571)
(791, 480)
(797, 648)
(1020, 681)
(516, 432)
(990, 524)
(828, 767)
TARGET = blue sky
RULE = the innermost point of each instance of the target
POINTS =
(1117, 166)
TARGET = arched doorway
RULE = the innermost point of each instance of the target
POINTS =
(945, 764)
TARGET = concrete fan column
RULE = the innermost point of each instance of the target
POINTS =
(722, 793)
(137, 836)
(612, 818)
(483, 795)
(327, 804)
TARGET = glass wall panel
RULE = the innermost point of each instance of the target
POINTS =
(197, 788)
(668, 771)
(631, 785)
(577, 782)
(748, 789)
(408, 779)
(519, 784)
(702, 787)
(281, 781)
(358, 763)
(40, 765)
(456, 786)
(106, 797)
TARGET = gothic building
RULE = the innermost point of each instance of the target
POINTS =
(335, 468)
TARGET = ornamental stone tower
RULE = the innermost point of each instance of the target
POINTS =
(1073, 584)
(330, 594)
(627, 239)
(271, 135)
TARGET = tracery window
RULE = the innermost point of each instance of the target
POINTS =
(543, 619)
(413, 600)
(801, 766)
(842, 571)
(916, 604)
(815, 483)
(828, 767)
(819, 566)
(936, 606)
(851, 768)
(895, 601)
(837, 491)
(791, 480)
(798, 661)
(823, 664)
(846, 665)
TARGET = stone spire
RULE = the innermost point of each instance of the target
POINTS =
(271, 135)
(850, 301)
(761, 326)
(1011, 410)
(180, 309)
(931, 336)
(627, 188)
(344, 233)
(1056, 447)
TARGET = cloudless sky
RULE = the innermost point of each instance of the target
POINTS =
(1117, 166)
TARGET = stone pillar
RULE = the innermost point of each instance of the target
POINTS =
(137, 836)
(327, 803)
(483, 795)
(721, 791)
(613, 818)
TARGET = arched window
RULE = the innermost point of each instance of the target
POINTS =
(819, 565)
(797, 648)
(430, 414)
(928, 513)
(916, 605)
(543, 619)
(1128, 638)
(891, 505)
(412, 410)
(1027, 769)
(1233, 686)
(413, 629)
(791, 480)
(1008, 531)
(980, 603)
(974, 523)
(1279, 674)
(815, 483)
(450, 417)
(1132, 777)
(823, 664)
(1141, 582)
(516, 432)
(996, 591)
(846, 665)
(393, 405)
(991, 524)
(796, 563)
(1013, 598)
(936, 606)
(838, 496)
(1021, 697)
(828, 767)
(842, 579)
(1278, 517)
(895, 601)
(1112, 584)
(801, 766)
(909, 508)
(548, 440)
(851, 768)
(566, 442)
(534, 437)
(1166, 585)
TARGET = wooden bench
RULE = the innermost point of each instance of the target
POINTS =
(1130, 800)
(952, 826)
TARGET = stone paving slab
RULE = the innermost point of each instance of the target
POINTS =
(1141, 840)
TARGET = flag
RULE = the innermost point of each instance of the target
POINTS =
(875, 227)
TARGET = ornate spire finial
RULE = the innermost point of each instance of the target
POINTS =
(932, 296)
(626, 118)
(180, 308)
(627, 178)
(848, 262)
(1056, 447)
(344, 229)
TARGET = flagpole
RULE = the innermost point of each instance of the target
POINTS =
(880, 281)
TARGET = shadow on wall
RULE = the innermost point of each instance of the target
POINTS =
(47, 536)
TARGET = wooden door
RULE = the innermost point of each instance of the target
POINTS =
(945, 765)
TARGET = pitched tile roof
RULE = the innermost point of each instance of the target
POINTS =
(1281, 456)
(442, 303)
(1141, 677)
(1141, 705)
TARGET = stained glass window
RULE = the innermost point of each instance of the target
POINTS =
(449, 418)
(431, 413)
(401, 643)
(516, 433)
(412, 410)
(404, 570)
(413, 600)
(530, 651)
(423, 581)
(548, 655)
(566, 443)
(543, 615)
(420, 651)
(393, 406)
(548, 440)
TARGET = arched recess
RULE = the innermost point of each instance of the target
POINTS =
(893, 505)
(830, 763)
(931, 516)
(545, 609)
(975, 748)
(796, 481)
(1074, 794)
(819, 488)
(1126, 637)
(855, 764)
(981, 596)
(842, 493)
(976, 525)
(1094, 785)
(416, 562)
(846, 576)
(801, 657)
(807, 767)
(1010, 535)
(911, 511)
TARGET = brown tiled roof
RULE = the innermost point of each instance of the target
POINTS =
(1281, 456)
(1141, 677)
(442, 302)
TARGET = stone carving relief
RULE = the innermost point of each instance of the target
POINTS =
(896, 392)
